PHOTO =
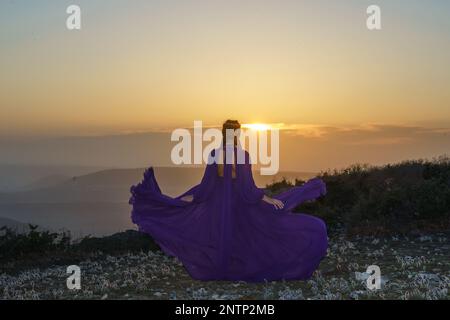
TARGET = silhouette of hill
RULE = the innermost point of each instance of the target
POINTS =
(13, 225)
(26, 177)
(46, 182)
(113, 185)
(97, 203)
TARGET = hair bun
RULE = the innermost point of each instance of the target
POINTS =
(232, 124)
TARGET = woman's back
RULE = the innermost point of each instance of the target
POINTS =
(220, 170)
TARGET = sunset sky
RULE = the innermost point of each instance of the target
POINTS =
(312, 66)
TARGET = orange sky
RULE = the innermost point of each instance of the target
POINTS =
(148, 66)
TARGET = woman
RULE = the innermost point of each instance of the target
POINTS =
(226, 228)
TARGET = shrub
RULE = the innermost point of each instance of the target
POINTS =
(391, 198)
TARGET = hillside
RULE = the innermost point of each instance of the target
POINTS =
(46, 182)
(411, 195)
(396, 198)
(16, 177)
(97, 203)
(129, 266)
(395, 216)
(13, 225)
(114, 185)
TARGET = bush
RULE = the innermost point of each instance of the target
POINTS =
(44, 248)
(127, 241)
(14, 245)
(392, 198)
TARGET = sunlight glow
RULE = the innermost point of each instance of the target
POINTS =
(257, 126)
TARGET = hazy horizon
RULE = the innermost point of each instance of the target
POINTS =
(311, 149)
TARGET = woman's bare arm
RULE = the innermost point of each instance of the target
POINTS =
(278, 204)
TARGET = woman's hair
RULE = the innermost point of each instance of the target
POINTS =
(230, 124)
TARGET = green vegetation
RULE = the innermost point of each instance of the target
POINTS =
(400, 198)
(13, 244)
(42, 248)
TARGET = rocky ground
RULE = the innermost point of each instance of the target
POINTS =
(412, 268)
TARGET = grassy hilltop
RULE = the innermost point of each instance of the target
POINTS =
(411, 196)
(395, 216)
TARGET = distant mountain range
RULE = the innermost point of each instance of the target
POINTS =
(114, 185)
(97, 203)
(27, 177)
(13, 224)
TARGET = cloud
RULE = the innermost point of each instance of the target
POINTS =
(366, 134)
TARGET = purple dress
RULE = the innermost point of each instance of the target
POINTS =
(227, 232)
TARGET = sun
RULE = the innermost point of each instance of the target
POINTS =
(257, 126)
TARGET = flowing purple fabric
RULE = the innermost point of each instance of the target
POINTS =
(227, 232)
